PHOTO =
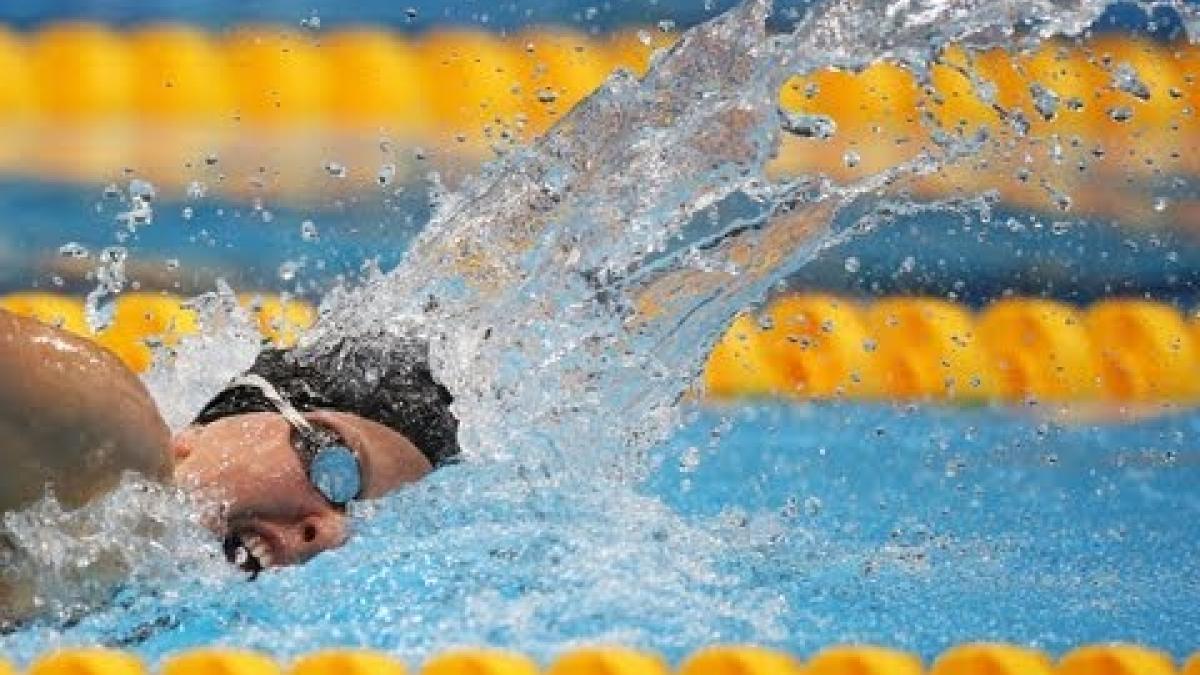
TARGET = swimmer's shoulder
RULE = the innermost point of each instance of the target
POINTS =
(72, 415)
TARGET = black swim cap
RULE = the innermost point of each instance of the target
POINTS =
(385, 379)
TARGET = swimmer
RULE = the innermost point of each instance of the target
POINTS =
(282, 449)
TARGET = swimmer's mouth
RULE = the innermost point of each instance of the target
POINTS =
(248, 552)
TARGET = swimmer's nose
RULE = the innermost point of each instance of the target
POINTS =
(305, 538)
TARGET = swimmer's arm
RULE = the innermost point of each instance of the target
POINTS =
(72, 416)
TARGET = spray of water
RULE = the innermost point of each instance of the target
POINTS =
(570, 292)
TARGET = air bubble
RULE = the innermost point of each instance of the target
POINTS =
(852, 264)
(308, 231)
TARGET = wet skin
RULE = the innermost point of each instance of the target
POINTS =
(247, 464)
(74, 418)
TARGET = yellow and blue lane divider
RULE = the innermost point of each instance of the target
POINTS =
(819, 346)
(966, 659)
(143, 320)
(82, 101)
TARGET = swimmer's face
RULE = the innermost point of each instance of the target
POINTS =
(269, 508)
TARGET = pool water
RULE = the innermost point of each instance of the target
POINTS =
(793, 526)
(570, 292)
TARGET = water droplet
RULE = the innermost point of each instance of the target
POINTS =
(1045, 101)
(666, 25)
(113, 255)
(1019, 122)
(187, 213)
(1126, 79)
(689, 460)
(335, 169)
(386, 175)
(851, 158)
(852, 264)
(547, 95)
(410, 13)
(313, 22)
(1120, 113)
(288, 270)
(808, 126)
(308, 231)
(142, 190)
(172, 263)
(197, 190)
(73, 250)
(1160, 204)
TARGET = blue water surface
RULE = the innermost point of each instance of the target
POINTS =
(797, 527)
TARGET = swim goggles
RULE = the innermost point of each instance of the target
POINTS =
(333, 467)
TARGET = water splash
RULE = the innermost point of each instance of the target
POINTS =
(572, 289)
(570, 293)
(61, 563)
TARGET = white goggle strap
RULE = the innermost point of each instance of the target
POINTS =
(272, 394)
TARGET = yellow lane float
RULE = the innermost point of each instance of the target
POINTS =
(738, 365)
(819, 344)
(965, 659)
(86, 101)
(740, 661)
(927, 348)
(1116, 660)
(345, 662)
(145, 323)
(814, 346)
(1041, 350)
(992, 659)
(60, 311)
(480, 662)
(1014, 350)
(864, 660)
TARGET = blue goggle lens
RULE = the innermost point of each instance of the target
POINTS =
(336, 474)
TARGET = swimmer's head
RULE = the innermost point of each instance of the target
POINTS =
(271, 512)
(246, 449)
